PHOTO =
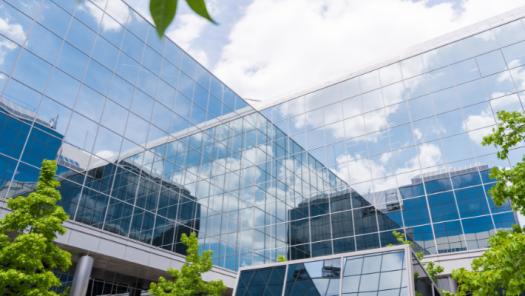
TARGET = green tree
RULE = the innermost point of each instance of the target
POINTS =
(501, 267)
(28, 261)
(188, 280)
(281, 258)
(163, 12)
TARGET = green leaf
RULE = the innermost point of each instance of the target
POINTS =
(199, 7)
(163, 13)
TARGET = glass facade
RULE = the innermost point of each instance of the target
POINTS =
(377, 273)
(150, 145)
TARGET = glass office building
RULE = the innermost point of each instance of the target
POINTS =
(380, 272)
(150, 145)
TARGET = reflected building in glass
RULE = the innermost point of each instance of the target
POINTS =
(150, 145)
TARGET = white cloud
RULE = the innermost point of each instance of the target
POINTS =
(284, 45)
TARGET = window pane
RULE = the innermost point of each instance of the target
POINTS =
(44, 44)
(445, 100)
(439, 79)
(105, 53)
(458, 51)
(491, 63)
(421, 107)
(510, 33)
(98, 77)
(412, 67)
(352, 107)
(133, 46)
(72, 61)
(390, 74)
(457, 147)
(350, 88)
(80, 36)
(478, 116)
(498, 85)
(426, 129)
(394, 93)
(63, 88)
(450, 123)
(151, 60)
(372, 100)
(484, 42)
(81, 132)
(416, 86)
(515, 54)
(369, 81)
(8, 14)
(465, 71)
(32, 71)
(435, 59)
(90, 103)
(111, 29)
(471, 92)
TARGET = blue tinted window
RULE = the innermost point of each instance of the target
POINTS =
(63, 88)
(415, 211)
(445, 100)
(147, 82)
(98, 77)
(133, 46)
(114, 117)
(90, 103)
(165, 94)
(185, 85)
(154, 41)
(22, 96)
(121, 91)
(152, 60)
(498, 85)
(142, 104)
(105, 53)
(426, 129)
(421, 107)
(216, 88)
(188, 65)
(457, 147)
(16, 18)
(439, 79)
(89, 14)
(137, 25)
(450, 123)
(112, 30)
(491, 63)
(169, 73)
(80, 36)
(449, 236)
(72, 61)
(32, 71)
(466, 180)
(44, 43)
(161, 117)
(443, 207)
(11, 51)
(477, 232)
(465, 71)
(173, 53)
(443, 184)
(397, 114)
(472, 202)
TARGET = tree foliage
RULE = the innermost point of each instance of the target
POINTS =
(188, 280)
(163, 12)
(501, 268)
(28, 261)
(281, 258)
(511, 182)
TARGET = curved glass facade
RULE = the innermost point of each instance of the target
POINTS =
(150, 145)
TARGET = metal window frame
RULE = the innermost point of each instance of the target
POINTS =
(409, 270)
